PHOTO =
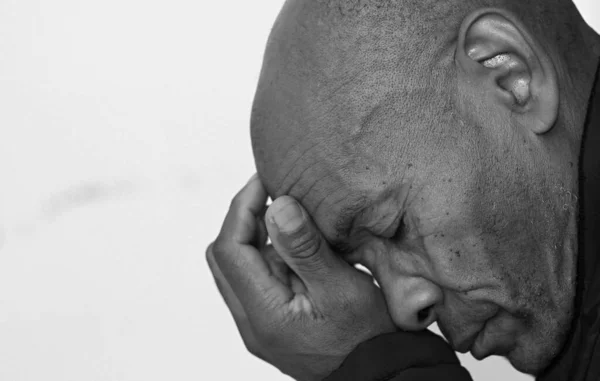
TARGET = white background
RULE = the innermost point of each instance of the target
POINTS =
(123, 135)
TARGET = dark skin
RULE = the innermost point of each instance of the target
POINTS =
(292, 300)
(465, 215)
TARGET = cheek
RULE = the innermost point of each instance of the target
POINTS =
(503, 213)
(452, 242)
(513, 212)
(458, 262)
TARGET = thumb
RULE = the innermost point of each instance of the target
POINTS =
(298, 241)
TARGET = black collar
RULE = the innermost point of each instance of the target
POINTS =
(575, 360)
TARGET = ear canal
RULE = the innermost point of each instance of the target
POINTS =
(515, 77)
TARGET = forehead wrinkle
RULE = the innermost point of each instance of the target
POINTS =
(290, 189)
(336, 178)
(310, 188)
(315, 173)
(282, 184)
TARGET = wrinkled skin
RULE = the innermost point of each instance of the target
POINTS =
(295, 303)
(465, 249)
(467, 221)
(490, 253)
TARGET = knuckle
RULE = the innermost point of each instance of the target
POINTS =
(236, 201)
(221, 251)
(218, 247)
(210, 256)
(305, 244)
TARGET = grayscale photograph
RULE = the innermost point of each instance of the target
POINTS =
(309, 190)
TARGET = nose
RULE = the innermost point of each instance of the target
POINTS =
(412, 302)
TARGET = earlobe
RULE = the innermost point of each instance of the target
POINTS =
(499, 57)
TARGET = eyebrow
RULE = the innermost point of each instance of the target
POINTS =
(344, 223)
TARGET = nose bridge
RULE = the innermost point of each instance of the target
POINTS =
(411, 299)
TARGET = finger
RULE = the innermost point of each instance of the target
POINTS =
(231, 300)
(240, 224)
(282, 271)
(240, 262)
(261, 235)
(249, 276)
(235, 307)
(299, 242)
(277, 265)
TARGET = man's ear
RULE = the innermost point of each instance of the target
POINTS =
(507, 65)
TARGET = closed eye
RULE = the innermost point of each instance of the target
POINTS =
(400, 232)
(396, 230)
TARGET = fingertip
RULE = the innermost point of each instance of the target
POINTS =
(257, 188)
(280, 203)
(287, 215)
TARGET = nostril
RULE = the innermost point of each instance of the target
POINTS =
(413, 301)
(423, 315)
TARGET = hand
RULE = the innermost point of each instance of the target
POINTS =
(296, 304)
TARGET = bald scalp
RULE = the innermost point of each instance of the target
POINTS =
(342, 78)
(333, 78)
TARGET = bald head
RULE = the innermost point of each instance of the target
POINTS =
(437, 142)
(338, 72)
(335, 76)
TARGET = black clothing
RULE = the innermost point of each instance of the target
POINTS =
(580, 358)
(420, 356)
(402, 356)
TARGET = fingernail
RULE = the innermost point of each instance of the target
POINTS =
(289, 218)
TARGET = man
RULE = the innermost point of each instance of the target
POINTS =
(438, 144)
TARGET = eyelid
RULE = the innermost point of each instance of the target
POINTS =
(392, 229)
(384, 227)
(342, 248)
